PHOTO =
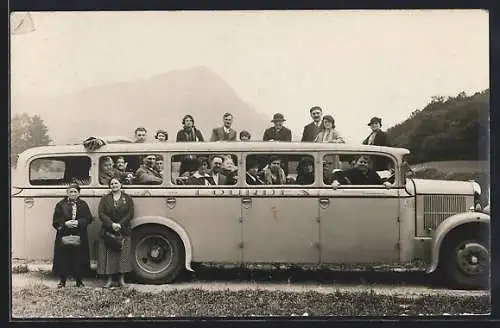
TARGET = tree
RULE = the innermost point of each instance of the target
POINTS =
(27, 132)
(457, 129)
(437, 99)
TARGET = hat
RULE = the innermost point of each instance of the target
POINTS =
(375, 120)
(328, 118)
(278, 117)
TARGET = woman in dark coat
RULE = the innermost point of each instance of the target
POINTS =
(116, 210)
(189, 132)
(377, 138)
(71, 218)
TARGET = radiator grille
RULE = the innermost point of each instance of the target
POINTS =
(439, 207)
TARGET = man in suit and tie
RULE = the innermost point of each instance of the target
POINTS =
(225, 132)
(278, 132)
(312, 129)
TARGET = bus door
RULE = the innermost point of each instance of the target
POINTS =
(359, 223)
(210, 214)
(280, 221)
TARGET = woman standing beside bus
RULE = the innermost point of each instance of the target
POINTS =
(116, 210)
(71, 247)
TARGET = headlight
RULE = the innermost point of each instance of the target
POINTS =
(477, 196)
(476, 187)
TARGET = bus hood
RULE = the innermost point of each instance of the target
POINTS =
(428, 186)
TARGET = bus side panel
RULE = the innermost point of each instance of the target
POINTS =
(39, 233)
(17, 228)
(95, 227)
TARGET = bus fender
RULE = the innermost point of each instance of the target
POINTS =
(448, 225)
(139, 221)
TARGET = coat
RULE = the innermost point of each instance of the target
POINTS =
(199, 180)
(147, 176)
(284, 134)
(251, 180)
(218, 134)
(274, 179)
(70, 260)
(329, 136)
(105, 177)
(186, 136)
(222, 179)
(381, 139)
(310, 132)
(123, 213)
(356, 177)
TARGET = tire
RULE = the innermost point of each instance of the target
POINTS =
(157, 255)
(465, 259)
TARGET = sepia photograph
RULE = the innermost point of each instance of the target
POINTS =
(249, 164)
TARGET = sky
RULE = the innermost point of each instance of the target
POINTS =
(354, 64)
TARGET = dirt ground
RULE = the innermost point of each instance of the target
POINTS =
(39, 273)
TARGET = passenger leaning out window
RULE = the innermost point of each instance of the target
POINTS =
(360, 174)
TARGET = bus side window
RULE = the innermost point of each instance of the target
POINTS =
(60, 170)
(281, 169)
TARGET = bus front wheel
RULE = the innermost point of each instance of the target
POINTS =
(466, 259)
(157, 255)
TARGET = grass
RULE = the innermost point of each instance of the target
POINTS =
(20, 268)
(39, 300)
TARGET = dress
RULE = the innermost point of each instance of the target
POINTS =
(110, 211)
(70, 260)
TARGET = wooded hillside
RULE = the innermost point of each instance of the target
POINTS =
(450, 129)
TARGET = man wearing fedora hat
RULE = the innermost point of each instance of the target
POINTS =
(278, 132)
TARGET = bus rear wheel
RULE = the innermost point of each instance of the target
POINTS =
(157, 255)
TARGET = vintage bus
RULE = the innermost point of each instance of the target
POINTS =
(299, 221)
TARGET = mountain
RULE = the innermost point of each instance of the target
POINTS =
(156, 102)
(447, 130)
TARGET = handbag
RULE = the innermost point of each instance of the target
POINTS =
(113, 241)
(71, 240)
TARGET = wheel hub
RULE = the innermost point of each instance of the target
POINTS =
(153, 253)
(156, 252)
(472, 258)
